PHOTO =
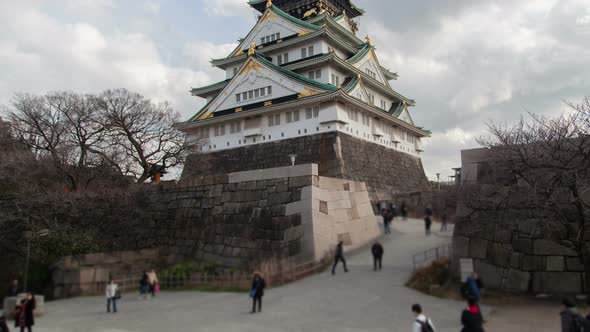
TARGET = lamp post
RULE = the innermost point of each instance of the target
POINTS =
(29, 236)
(438, 180)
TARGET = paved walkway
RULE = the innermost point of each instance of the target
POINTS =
(361, 300)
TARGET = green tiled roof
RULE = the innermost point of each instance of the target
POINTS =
(361, 54)
(295, 20)
(220, 84)
(295, 76)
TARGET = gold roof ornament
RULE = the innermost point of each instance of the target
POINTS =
(358, 76)
(369, 41)
(268, 3)
(252, 49)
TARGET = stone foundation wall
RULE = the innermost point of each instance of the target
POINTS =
(338, 155)
(514, 246)
(241, 220)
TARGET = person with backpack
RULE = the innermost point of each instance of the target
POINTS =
(421, 322)
(377, 251)
(571, 320)
(257, 291)
(24, 317)
(339, 257)
(471, 319)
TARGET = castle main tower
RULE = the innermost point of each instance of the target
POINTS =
(301, 82)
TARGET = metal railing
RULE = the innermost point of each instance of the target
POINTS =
(428, 256)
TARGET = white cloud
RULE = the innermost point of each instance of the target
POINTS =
(152, 6)
(48, 55)
(229, 8)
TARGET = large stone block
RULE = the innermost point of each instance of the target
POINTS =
(557, 282)
(555, 263)
(574, 264)
(533, 263)
(460, 246)
(523, 245)
(499, 254)
(517, 280)
(550, 248)
(478, 248)
(491, 274)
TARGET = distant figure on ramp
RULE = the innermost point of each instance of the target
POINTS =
(377, 251)
(339, 257)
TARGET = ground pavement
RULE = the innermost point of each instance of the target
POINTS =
(361, 300)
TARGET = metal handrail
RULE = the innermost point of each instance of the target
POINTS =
(430, 255)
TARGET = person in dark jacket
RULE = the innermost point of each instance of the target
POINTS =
(428, 219)
(24, 317)
(471, 318)
(387, 217)
(377, 251)
(257, 292)
(339, 257)
(570, 317)
(3, 325)
(404, 211)
(144, 286)
(13, 289)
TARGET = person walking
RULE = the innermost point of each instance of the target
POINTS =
(571, 319)
(444, 222)
(152, 282)
(377, 251)
(471, 318)
(12, 289)
(428, 219)
(339, 257)
(421, 322)
(112, 295)
(387, 217)
(3, 325)
(143, 286)
(257, 291)
(24, 317)
(404, 211)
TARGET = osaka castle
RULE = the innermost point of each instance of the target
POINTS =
(303, 71)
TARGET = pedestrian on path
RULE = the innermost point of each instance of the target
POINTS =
(404, 211)
(24, 317)
(12, 289)
(112, 294)
(387, 217)
(428, 219)
(144, 286)
(377, 251)
(153, 283)
(445, 221)
(339, 257)
(3, 325)
(471, 319)
(421, 322)
(257, 291)
(571, 320)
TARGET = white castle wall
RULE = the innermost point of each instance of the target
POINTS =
(332, 117)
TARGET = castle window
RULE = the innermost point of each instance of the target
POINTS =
(318, 73)
(371, 73)
(316, 111)
(279, 59)
(286, 57)
(274, 120)
(250, 94)
(238, 99)
(262, 92)
(303, 53)
(269, 89)
(219, 130)
(203, 132)
(235, 127)
(310, 51)
(383, 104)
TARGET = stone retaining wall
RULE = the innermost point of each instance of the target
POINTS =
(338, 155)
(238, 220)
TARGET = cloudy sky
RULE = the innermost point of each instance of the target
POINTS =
(464, 61)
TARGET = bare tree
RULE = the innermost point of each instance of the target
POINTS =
(552, 157)
(84, 134)
(147, 139)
